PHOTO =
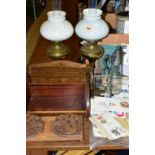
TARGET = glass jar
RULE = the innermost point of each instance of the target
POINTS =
(114, 84)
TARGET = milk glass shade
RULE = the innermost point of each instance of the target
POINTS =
(57, 29)
(92, 27)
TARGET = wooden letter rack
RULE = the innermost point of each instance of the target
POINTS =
(56, 88)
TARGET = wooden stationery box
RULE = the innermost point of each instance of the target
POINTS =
(59, 86)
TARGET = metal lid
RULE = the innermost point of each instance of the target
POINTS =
(123, 15)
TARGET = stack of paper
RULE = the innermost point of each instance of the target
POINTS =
(107, 127)
(116, 104)
(109, 116)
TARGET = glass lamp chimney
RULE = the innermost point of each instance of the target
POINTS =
(56, 5)
(92, 3)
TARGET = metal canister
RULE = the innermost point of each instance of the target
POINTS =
(122, 23)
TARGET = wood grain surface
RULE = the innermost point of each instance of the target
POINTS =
(58, 86)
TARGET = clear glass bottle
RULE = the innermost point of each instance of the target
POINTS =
(115, 77)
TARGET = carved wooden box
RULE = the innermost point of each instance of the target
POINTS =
(59, 95)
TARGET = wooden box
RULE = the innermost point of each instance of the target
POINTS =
(113, 38)
(58, 87)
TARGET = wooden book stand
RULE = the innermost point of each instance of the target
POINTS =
(57, 88)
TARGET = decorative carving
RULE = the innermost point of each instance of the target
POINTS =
(67, 124)
(34, 125)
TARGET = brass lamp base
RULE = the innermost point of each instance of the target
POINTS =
(57, 50)
(92, 51)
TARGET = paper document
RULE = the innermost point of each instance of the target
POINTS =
(107, 125)
(103, 104)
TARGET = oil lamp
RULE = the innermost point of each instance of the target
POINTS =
(92, 28)
(57, 29)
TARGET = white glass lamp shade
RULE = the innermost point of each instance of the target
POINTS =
(92, 27)
(56, 28)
